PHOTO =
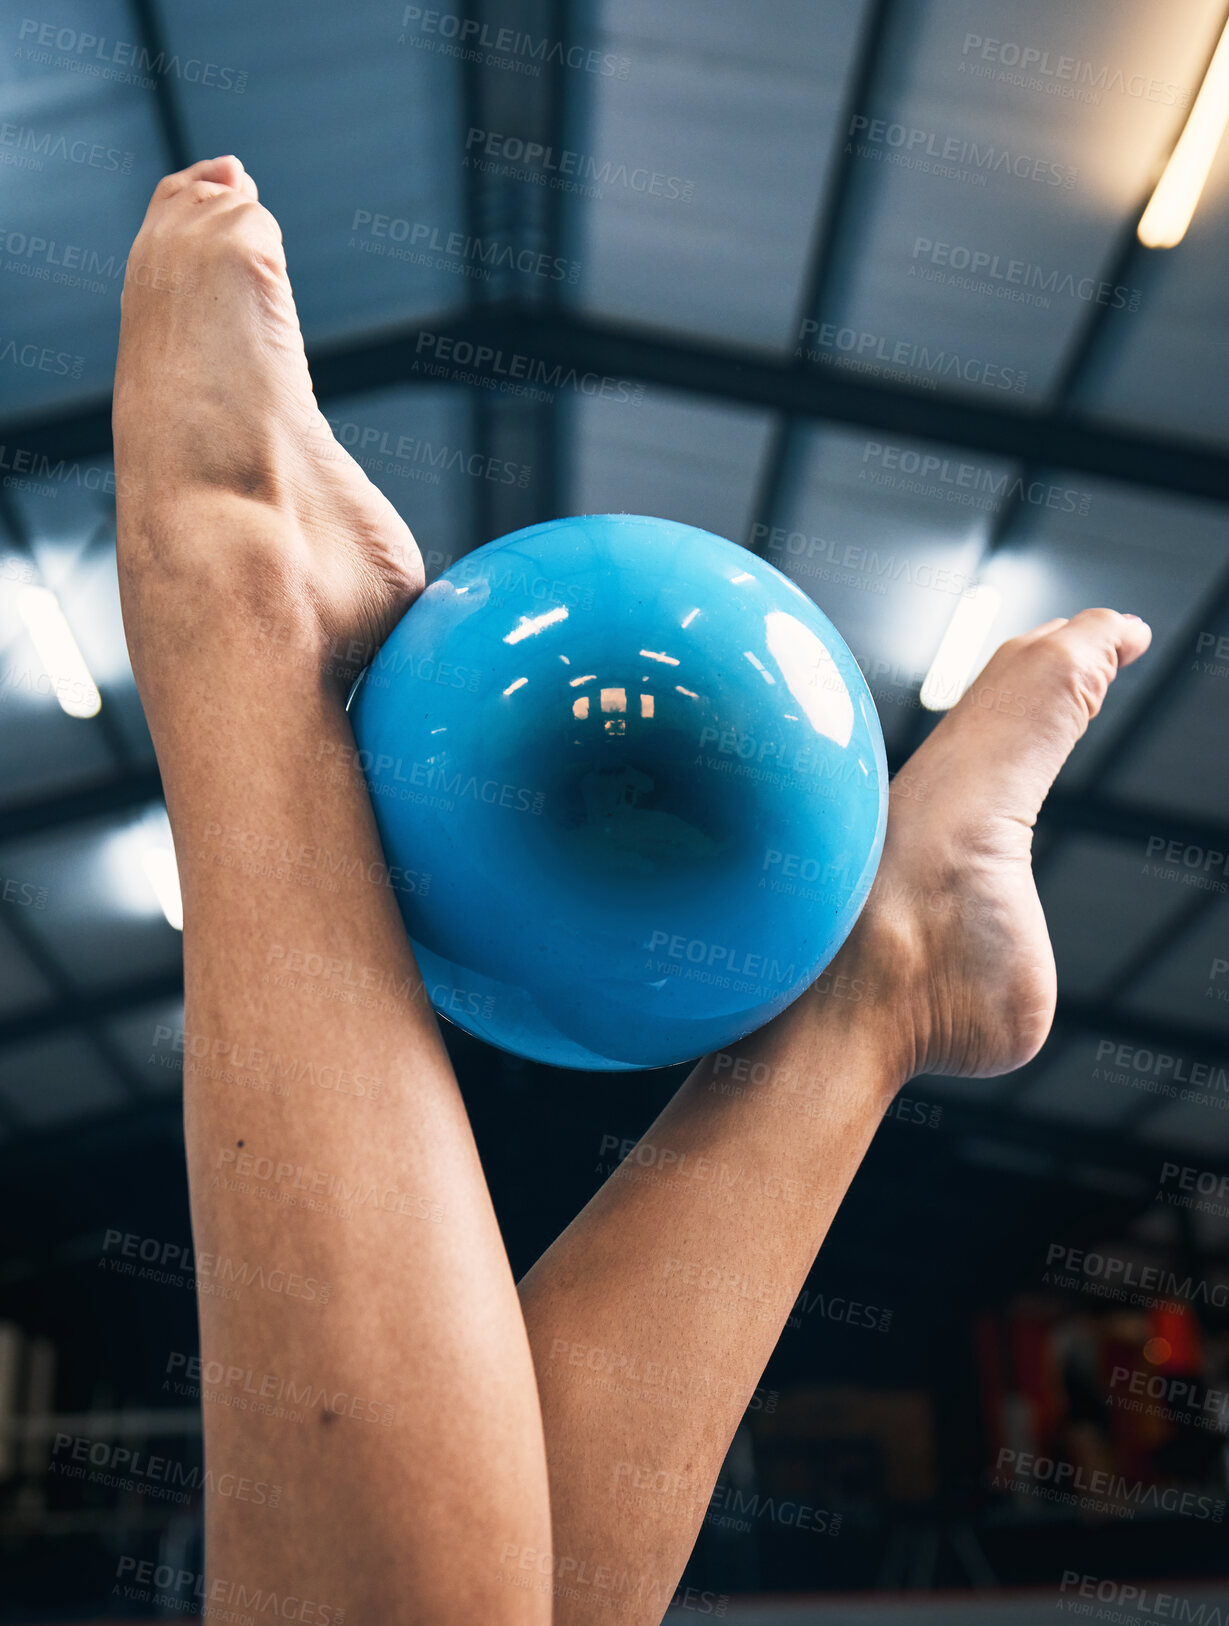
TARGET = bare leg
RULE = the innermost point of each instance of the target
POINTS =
(675, 1281)
(345, 1243)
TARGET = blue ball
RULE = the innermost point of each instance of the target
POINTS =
(631, 787)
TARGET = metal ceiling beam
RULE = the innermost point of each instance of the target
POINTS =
(1191, 1041)
(1211, 614)
(748, 377)
(166, 104)
(116, 793)
(72, 1012)
(783, 444)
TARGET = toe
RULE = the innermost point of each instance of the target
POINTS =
(1107, 634)
(225, 172)
(1021, 718)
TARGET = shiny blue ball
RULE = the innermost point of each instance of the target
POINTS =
(631, 787)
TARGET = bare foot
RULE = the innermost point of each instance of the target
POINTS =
(217, 428)
(953, 928)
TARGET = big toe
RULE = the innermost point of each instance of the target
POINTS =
(227, 171)
(1021, 717)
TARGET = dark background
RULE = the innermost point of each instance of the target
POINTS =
(748, 319)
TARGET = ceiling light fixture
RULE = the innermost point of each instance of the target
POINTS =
(1164, 222)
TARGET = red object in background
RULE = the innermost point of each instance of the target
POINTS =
(1175, 1325)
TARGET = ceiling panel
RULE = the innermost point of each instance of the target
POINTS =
(1193, 1124)
(367, 204)
(974, 184)
(668, 455)
(50, 1081)
(1167, 368)
(150, 1041)
(80, 152)
(102, 922)
(21, 984)
(742, 122)
(1102, 903)
(1180, 760)
(1077, 1085)
(1152, 554)
(1190, 983)
(419, 445)
(882, 550)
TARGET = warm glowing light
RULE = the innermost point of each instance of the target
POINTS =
(163, 873)
(1164, 222)
(654, 655)
(646, 705)
(516, 683)
(580, 706)
(56, 647)
(956, 658)
(614, 699)
(529, 626)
